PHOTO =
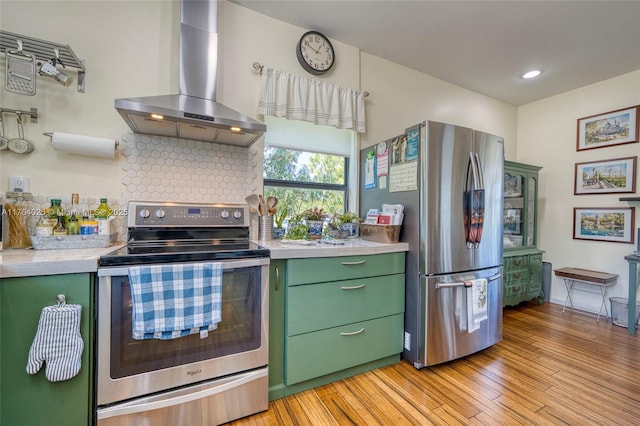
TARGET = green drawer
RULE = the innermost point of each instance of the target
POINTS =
(515, 282)
(514, 262)
(535, 260)
(516, 276)
(315, 354)
(325, 305)
(515, 289)
(322, 269)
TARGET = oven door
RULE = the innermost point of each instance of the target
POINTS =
(128, 368)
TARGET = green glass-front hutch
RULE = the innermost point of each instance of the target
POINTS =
(522, 258)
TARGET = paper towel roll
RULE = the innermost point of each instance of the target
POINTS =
(84, 145)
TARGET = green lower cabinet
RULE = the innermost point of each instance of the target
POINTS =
(522, 277)
(322, 352)
(333, 317)
(32, 400)
(325, 305)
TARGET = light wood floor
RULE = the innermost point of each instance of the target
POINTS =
(551, 368)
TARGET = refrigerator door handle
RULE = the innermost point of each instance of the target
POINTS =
(495, 277)
(458, 284)
(467, 283)
(474, 201)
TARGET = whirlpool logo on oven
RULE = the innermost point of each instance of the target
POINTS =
(194, 372)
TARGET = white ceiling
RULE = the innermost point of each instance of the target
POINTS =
(484, 46)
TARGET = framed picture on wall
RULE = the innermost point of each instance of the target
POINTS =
(605, 177)
(604, 224)
(607, 129)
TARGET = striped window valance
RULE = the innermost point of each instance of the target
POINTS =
(300, 98)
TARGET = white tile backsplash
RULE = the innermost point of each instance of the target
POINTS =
(160, 168)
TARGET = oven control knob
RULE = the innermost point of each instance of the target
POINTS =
(144, 213)
(237, 214)
(224, 214)
(160, 214)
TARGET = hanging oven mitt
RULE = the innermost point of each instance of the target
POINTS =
(58, 343)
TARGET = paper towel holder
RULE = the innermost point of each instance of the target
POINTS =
(84, 145)
(50, 134)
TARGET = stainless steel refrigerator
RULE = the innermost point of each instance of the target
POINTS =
(449, 180)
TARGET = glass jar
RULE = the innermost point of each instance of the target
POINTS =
(18, 211)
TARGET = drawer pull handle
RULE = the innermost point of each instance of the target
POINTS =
(352, 333)
(277, 278)
(361, 262)
(517, 262)
(353, 287)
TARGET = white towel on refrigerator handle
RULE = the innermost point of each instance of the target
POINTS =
(476, 303)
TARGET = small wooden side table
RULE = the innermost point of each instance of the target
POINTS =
(602, 280)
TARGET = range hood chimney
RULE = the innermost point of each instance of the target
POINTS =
(194, 113)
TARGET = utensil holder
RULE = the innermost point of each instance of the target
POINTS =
(265, 231)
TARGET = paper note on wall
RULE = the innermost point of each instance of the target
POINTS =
(370, 170)
(382, 166)
(403, 177)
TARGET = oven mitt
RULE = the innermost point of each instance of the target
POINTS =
(58, 343)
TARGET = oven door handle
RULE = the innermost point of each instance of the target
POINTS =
(181, 396)
(118, 271)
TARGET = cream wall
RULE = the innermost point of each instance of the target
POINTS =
(401, 97)
(547, 138)
(130, 49)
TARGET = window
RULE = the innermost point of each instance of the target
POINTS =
(308, 166)
(302, 179)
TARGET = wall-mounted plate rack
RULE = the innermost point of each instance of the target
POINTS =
(44, 50)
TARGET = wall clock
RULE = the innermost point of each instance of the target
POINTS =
(315, 53)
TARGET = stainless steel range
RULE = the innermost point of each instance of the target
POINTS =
(198, 379)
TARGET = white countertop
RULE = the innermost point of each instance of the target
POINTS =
(352, 247)
(29, 262)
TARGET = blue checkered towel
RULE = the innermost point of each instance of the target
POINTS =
(171, 301)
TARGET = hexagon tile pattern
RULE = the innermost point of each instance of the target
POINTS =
(159, 168)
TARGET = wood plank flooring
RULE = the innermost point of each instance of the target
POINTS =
(551, 368)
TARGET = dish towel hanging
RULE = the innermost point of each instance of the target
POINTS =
(171, 301)
(301, 98)
(476, 304)
(57, 343)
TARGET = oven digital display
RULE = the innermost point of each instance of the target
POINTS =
(192, 210)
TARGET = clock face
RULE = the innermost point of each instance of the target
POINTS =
(315, 53)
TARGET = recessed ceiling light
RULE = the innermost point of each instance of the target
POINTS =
(532, 74)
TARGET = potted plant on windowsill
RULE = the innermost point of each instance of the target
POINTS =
(296, 229)
(333, 230)
(314, 218)
(278, 219)
(349, 222)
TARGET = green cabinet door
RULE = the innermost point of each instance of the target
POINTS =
(31, 400)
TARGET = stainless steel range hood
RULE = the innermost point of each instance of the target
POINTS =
(194, 113)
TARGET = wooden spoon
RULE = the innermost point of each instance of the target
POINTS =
(254, 203)
(272, 202)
